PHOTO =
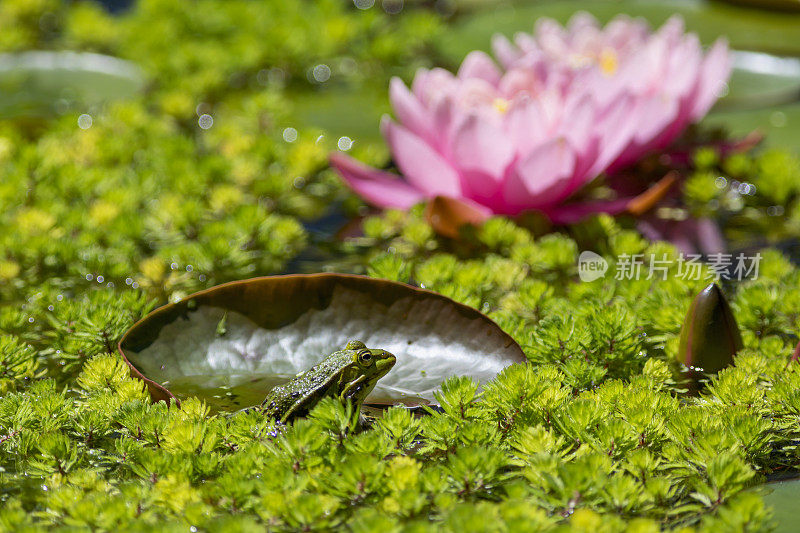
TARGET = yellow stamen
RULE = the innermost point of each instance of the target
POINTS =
(608, 62)
(501, 104)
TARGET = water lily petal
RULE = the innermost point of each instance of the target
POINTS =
(672, 30)
(542, 175)
(409, 110)
(714, 73)
(617, 129)
(382, 189)
(520, 83)
(479, 65)
(585, 161)
(654, 115)
(582, 126)
(581, 23)
(431, 85)
(479, 145)
(683, 68)
(526, 43)
(651, 71)
(425, 169)
(624, 33)
(505, 52)
(420, 82)
(480, 186)
(681, 86)
(444, 117)
(526, 125)
(551, 37)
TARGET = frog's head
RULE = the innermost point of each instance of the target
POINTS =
(362, 368)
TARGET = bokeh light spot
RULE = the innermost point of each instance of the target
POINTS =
(205, 121)
(290, 135)
(344, 143)
(85, 121)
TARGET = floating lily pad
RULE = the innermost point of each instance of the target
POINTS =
(780, 124)
(44, 84)
(232, 343)
(343, 111)
(761, 80)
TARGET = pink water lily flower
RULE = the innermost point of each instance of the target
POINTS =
(563, 106)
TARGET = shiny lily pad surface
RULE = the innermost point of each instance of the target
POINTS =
(761, 80)
(230, 344)
(44, 84)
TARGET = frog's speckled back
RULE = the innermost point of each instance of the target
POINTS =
(349, 373)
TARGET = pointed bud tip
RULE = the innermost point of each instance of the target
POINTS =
(710, 336)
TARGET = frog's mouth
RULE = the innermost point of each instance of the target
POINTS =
(384, 365)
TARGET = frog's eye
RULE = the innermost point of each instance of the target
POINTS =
(365, 357)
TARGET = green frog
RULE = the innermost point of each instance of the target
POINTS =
(347, 374)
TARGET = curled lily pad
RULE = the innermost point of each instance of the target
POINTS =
(232, 343)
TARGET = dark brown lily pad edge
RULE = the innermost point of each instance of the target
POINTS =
(170, 311)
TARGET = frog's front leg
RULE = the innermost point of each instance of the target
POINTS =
(351, 393)
(351, 387)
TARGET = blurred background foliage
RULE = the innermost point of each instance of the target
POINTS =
(198, 177)
(203, 157)
(198, 155)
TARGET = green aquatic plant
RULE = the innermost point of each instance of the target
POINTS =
(593, 429)
(202, 53)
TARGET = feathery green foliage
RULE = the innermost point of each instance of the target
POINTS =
(593, 430)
